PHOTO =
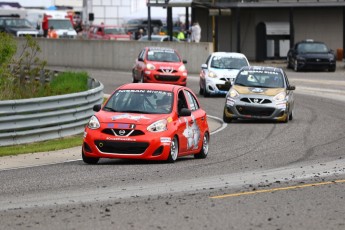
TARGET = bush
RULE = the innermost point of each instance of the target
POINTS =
(25, 76)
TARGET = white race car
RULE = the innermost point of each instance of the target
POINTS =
(219, 72)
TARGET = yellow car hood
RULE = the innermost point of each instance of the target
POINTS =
(257, 91)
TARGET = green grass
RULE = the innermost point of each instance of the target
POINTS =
(43, 146)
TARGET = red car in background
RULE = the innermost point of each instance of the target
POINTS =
(159, 65)
(106, 32)
(147, 121)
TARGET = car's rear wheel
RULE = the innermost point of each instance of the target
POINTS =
(201, 90)
(225, 118)
(173, 150)
(332, 69)
(89, 160)
(204, 149)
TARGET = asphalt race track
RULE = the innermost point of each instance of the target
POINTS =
(258, 175)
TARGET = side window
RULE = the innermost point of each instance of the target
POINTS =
(193, 104)
(181, 103)
(286, 80)
(208, 59)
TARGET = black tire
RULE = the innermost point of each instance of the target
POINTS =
(142, 78)
(204, 149)
(291, 115)
(201, 90)
(295, 66)
(206, 94)
(331, 69)
(286, 120)
(174, 149)
(288, 64)
(133, 78)
(89, 160)
(225, 118)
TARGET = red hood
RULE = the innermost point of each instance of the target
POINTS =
(166, 65)
(129, 118)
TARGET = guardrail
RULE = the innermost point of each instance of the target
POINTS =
(38, 119)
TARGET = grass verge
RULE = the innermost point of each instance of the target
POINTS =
(43, 146)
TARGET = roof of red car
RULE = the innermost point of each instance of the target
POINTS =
(153, 86)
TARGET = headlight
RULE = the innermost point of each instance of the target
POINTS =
(233, 93)
(158, 126)
(212, 74)
(150, 66)
(182, 68)
(280, 96)
(93, 123)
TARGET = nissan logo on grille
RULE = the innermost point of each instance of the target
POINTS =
(122, 132)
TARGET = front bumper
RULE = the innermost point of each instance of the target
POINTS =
(256, 108)
(316, 64)
(217, 87)
(178, 78)
(149, 147)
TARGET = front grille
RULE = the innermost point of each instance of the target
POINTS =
(166, 78)
(122, 147)
(256, 100)
(167, 71)
(224, 87)
(123, 132)
(254, 111)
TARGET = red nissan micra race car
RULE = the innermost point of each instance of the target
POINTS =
(147, 121)
(159, 65)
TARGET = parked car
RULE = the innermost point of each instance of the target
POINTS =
(158, 38)
(108, 32)
(133, 25)
(311, 55)
(18, 27)
(159, 65)
(219, 72)
(132, 124)
(260, 93)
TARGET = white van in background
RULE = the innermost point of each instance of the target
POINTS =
(60, 20)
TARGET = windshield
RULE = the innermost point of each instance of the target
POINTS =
(163, 55)
(228, 62)
(312, 48)
(61, 24)
(114, 31)
(260, 79)
(140, 101)
(22, 23)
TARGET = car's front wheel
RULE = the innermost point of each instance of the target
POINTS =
(89, 160)
(142, 78)
(204, 149)
(295, 66)
(173, 150)
(133, 77)
(225, 118)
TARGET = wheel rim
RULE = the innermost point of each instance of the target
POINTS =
(205, 144)
(174, 149)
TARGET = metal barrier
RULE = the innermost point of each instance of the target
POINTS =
(45, 118)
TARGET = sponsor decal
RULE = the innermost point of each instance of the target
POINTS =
(257, 90)
(120, 139)
(130, 117)
(165, 140)
(230, 102)
(192, 133)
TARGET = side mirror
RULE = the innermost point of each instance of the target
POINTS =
(204, 66)
(291, 87)
(97, 108)
(184, 112)
(140, 59)
(184, 61)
